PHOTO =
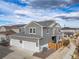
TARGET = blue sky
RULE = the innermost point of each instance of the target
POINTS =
(65, 12)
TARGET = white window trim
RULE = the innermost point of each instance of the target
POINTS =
(32, 30)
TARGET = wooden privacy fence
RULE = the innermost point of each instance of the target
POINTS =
(55, 45)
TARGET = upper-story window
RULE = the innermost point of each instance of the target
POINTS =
(32, 30)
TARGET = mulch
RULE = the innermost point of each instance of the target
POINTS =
(43, 55)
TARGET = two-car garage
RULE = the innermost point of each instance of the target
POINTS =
(24, 44)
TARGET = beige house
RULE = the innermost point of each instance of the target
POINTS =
(17, 28)
(5, 31)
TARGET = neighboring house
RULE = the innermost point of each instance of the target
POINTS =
(16, 28)
(67, 31)
(5, 31)
(36, 35)
(4, 35)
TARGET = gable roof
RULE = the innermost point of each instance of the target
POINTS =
(46, 23)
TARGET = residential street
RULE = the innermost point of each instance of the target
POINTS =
(4, 51)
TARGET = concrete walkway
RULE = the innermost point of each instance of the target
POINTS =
(63, 53)
(70, 52)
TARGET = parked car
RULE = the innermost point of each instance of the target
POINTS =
(4, 43)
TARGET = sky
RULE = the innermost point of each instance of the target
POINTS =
(65, 12)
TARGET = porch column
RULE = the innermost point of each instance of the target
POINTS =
(39, 45)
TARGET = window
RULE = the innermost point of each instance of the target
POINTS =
(32, 30)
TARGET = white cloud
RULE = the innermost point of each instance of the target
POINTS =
(8, 7)
(72, 14)
(24, 15)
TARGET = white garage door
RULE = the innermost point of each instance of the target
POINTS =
(15, 42)
(29, 45)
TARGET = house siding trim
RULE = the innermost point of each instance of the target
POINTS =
(35, 23)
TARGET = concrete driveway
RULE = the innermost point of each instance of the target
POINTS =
(20, 54)
(4, 51)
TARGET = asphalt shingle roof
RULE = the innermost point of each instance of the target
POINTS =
(46, 23)
(27, 35)
(13, 26)
(68, 28)
(24, 36)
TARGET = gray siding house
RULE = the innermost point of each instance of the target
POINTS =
(36, 35)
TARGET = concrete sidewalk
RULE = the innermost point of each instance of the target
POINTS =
(63, 53)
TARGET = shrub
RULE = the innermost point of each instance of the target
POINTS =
(66, 42)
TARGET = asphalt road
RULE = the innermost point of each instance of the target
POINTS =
(4, 51)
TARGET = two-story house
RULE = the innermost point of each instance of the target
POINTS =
(36, 35)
